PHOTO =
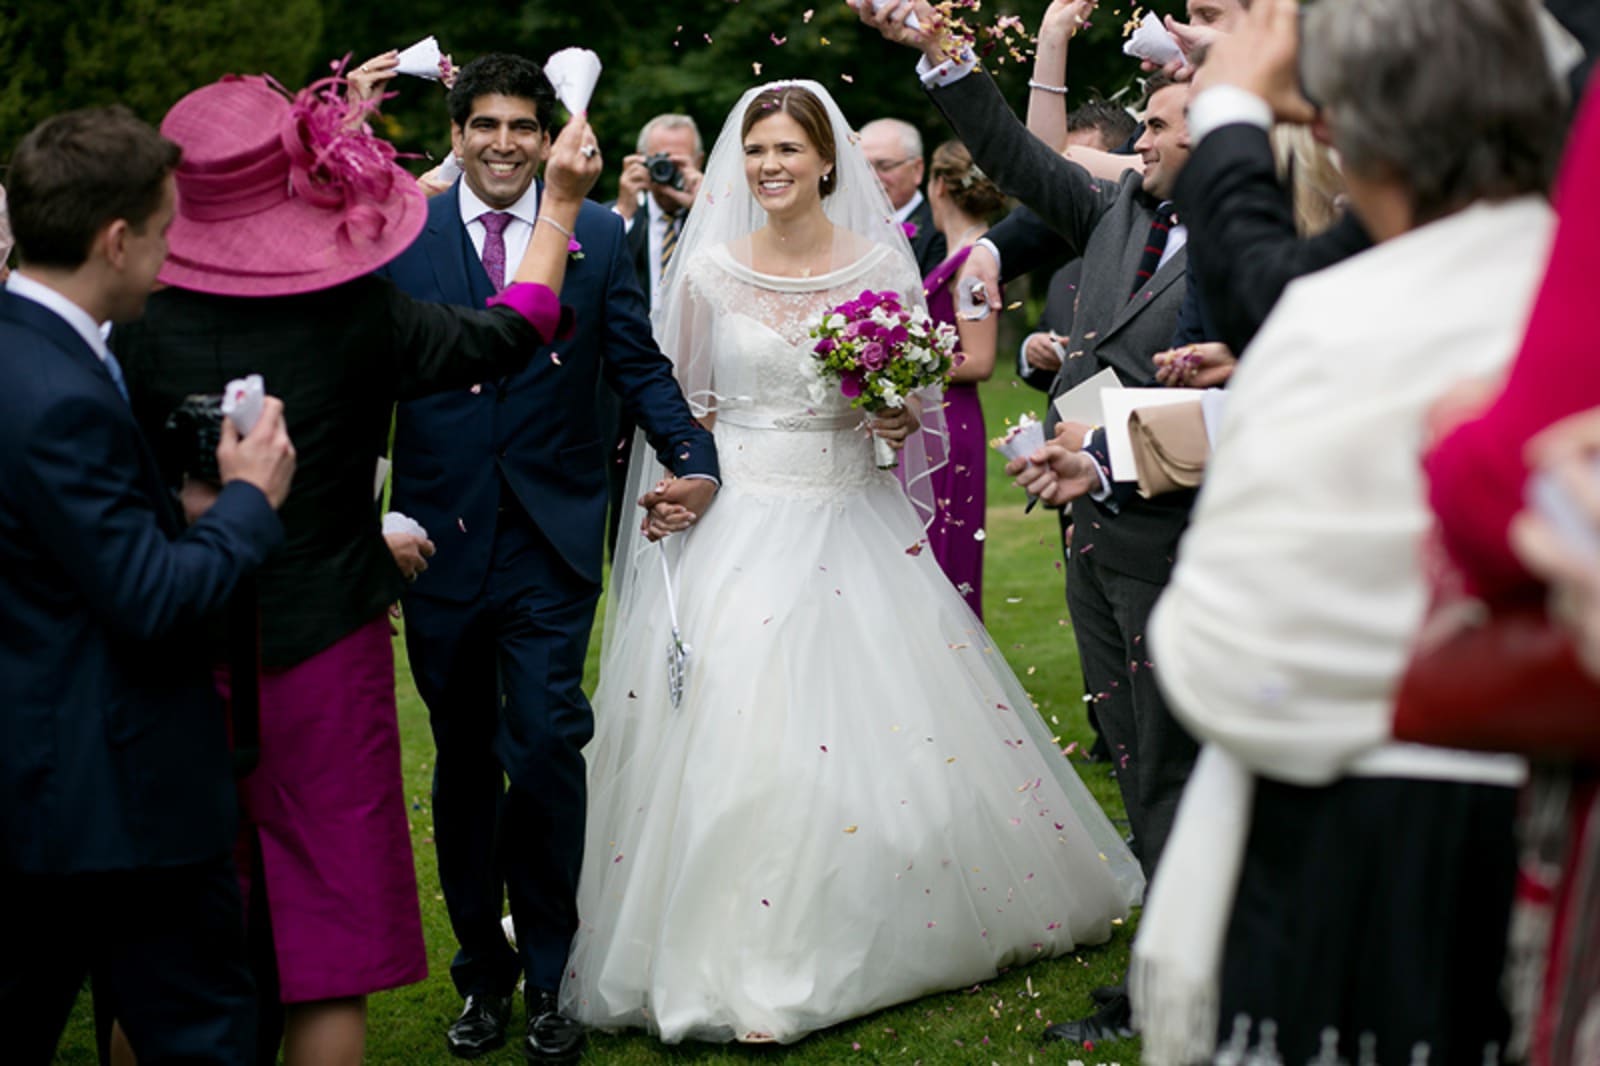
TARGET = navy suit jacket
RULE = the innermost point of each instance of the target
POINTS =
(113, 747)
(536, 430)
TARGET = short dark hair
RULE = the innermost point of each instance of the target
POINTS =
(799, 104)
(1156, 82)
(501, 74)
(1112, 121)
(79, 171)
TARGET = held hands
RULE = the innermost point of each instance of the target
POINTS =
(675, 504)
(573, 164)
(1261, 57)
(411, 552)
(1195, 366)
(264, 459)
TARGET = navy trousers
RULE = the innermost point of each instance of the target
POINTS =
(502, 677)
(166, 948)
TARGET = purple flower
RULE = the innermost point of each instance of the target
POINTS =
(873, 355)
(825, 346)
(574, 249)
(850, 384)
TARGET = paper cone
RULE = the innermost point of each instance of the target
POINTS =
(421, 60)
(573, 72)
(1152, 42)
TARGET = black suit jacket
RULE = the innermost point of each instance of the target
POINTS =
(1244, 248)
(339, 359)
(113, 752)
(927, 243)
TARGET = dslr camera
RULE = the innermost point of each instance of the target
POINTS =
(663, 171)
(190, 437)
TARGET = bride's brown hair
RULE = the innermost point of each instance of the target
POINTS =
(799, 104)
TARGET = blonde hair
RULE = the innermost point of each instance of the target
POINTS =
(1316, 183)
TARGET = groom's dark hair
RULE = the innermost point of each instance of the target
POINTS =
(501, 74)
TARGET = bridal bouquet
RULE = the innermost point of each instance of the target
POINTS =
(879, 352)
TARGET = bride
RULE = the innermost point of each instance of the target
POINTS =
(853, 803)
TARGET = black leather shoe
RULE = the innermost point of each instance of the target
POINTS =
(481, 1027)
(552, 1036)
(1103, 994)
(1113, 1021)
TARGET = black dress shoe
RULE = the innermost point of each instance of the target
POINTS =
(481, 1027)
(1103, 994)
(552, 1036)
(1113, 1021)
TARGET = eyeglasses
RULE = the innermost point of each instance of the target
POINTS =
(884, 166)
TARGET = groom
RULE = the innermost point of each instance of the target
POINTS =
(509, 479)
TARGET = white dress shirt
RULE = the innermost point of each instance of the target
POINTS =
(519, 231)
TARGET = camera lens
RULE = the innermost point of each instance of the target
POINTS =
(663, 171)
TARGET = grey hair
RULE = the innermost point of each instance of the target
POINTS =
(910, 139)
(1453, 98)
(5, 229)
(670, 122)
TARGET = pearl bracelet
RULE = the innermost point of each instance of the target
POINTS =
(1059, 90)
(557, 225)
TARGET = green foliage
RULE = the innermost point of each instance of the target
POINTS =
(56, 56)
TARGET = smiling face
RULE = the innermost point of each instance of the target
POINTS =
(500, 146)
(783, 167)
(1165, 143)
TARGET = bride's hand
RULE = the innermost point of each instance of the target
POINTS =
(895, 424)
(674, 505)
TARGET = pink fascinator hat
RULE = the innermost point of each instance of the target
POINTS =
(281, 195)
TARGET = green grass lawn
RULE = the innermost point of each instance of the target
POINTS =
(996, 1022)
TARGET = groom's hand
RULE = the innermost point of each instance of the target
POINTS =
(675, 504)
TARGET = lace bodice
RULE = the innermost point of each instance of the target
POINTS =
(779, 426)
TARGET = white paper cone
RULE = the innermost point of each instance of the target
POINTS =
(421, 60)
(395, 522)
(573, 72)
(1023, 440)
(1152, 42)
(911, 19)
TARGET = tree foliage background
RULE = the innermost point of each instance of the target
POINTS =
(693, 56)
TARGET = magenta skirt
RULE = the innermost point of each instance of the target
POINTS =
(327, 807)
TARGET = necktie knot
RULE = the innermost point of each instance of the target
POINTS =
(494, 246)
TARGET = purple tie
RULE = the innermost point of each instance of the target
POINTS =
(494, 246)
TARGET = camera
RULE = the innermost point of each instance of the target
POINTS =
(663, 171)
(190, 436)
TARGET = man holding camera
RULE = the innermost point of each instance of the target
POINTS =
(653, 196)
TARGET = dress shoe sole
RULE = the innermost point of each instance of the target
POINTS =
(475, 1051)
(546, 1059)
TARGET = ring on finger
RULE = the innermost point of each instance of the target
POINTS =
(588, 151)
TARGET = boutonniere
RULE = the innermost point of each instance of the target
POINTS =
(911, 230)
(574, 249)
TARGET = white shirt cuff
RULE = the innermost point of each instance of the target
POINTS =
(1103, 493)
(948, 72)
(1223, 105)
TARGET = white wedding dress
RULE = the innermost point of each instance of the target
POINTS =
(855, 804)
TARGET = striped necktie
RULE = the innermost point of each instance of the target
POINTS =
(1154, 245)
(669, 239)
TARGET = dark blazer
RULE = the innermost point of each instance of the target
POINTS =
(113, 753)
(536, 430)
(339, 359)
(927, 243)
(639, 252)
(1241, 228)
(1107, 225)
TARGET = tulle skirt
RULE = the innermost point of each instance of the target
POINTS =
(854, 803)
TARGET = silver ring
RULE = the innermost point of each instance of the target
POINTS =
(588, 151)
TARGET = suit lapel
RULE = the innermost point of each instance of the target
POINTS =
(1170, 272)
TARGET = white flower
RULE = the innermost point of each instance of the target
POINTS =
(883, 317)
(891, 395)
(834, 321)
